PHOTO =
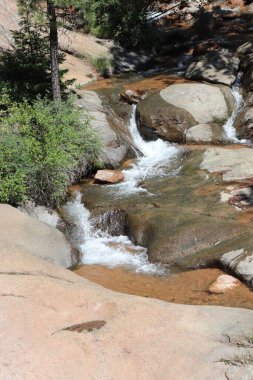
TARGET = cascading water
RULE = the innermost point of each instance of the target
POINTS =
(153, 158)
(99, 247)
(228, 127)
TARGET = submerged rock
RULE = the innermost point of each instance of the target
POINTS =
(223, 283)
(233, 164)
(179, 107)
(109, 176)
(215, 67)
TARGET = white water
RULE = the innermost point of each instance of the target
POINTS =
(99, 247)
(228, 127)
(152, 162)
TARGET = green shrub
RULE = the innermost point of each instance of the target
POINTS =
(103, 65)
(43, 148)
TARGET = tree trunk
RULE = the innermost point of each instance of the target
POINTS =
(55, 75)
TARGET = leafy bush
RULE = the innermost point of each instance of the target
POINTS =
(43, 148)
(103, 66)
(124, 21)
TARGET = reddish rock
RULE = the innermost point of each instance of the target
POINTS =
(223, 283)
(109, 176)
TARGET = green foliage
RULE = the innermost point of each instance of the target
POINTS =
(43, 148)
(103, 65)
(124, 21)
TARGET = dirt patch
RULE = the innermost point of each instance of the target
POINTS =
(185, 288)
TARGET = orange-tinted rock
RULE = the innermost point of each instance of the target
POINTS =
(109, 176)
(223, 283)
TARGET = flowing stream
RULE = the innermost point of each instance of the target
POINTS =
(99, 247)
(153, 160)
(228, 127)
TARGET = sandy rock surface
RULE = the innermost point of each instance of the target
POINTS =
(122, 337)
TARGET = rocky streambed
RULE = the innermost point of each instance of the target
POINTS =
(186, 199)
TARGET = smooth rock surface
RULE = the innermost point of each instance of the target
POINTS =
(179, 107)
(120, 336)
(215, 67)
(204, 102)
(114, 149)
(233, 164)
(19, 232)
(204, 134)
(223, 283)
(109, 176)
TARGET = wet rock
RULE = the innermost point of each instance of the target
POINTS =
(109, 176)
(25, 234)
(179, 107)
(215, 67)
(114, 148)
(204, 134)
(113, 222)
(132, 97)
(240, 262)
(244, 123)
(245, 48)
(233, 164)
(157, 118)
(223, 283)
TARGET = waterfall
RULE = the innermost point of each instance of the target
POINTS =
(153, 161)
(228, 127)
(99, 247)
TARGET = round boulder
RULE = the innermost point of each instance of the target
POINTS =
(179, 107)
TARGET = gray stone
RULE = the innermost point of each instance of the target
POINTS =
(19, 232)
(215, 67)
(204, 134)
(179, 107)
(114, 149)
(206, 103)
(233, 164)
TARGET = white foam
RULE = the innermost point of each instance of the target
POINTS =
(152, 162)
(228, 127)
(99, 247)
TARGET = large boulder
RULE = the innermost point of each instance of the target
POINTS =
(114, 148)
(215, 67)
(19, 232)
(58, 326)
(179, 107)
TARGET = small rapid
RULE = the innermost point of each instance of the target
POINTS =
(99, 247)
(153, 160)
(228, 127)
